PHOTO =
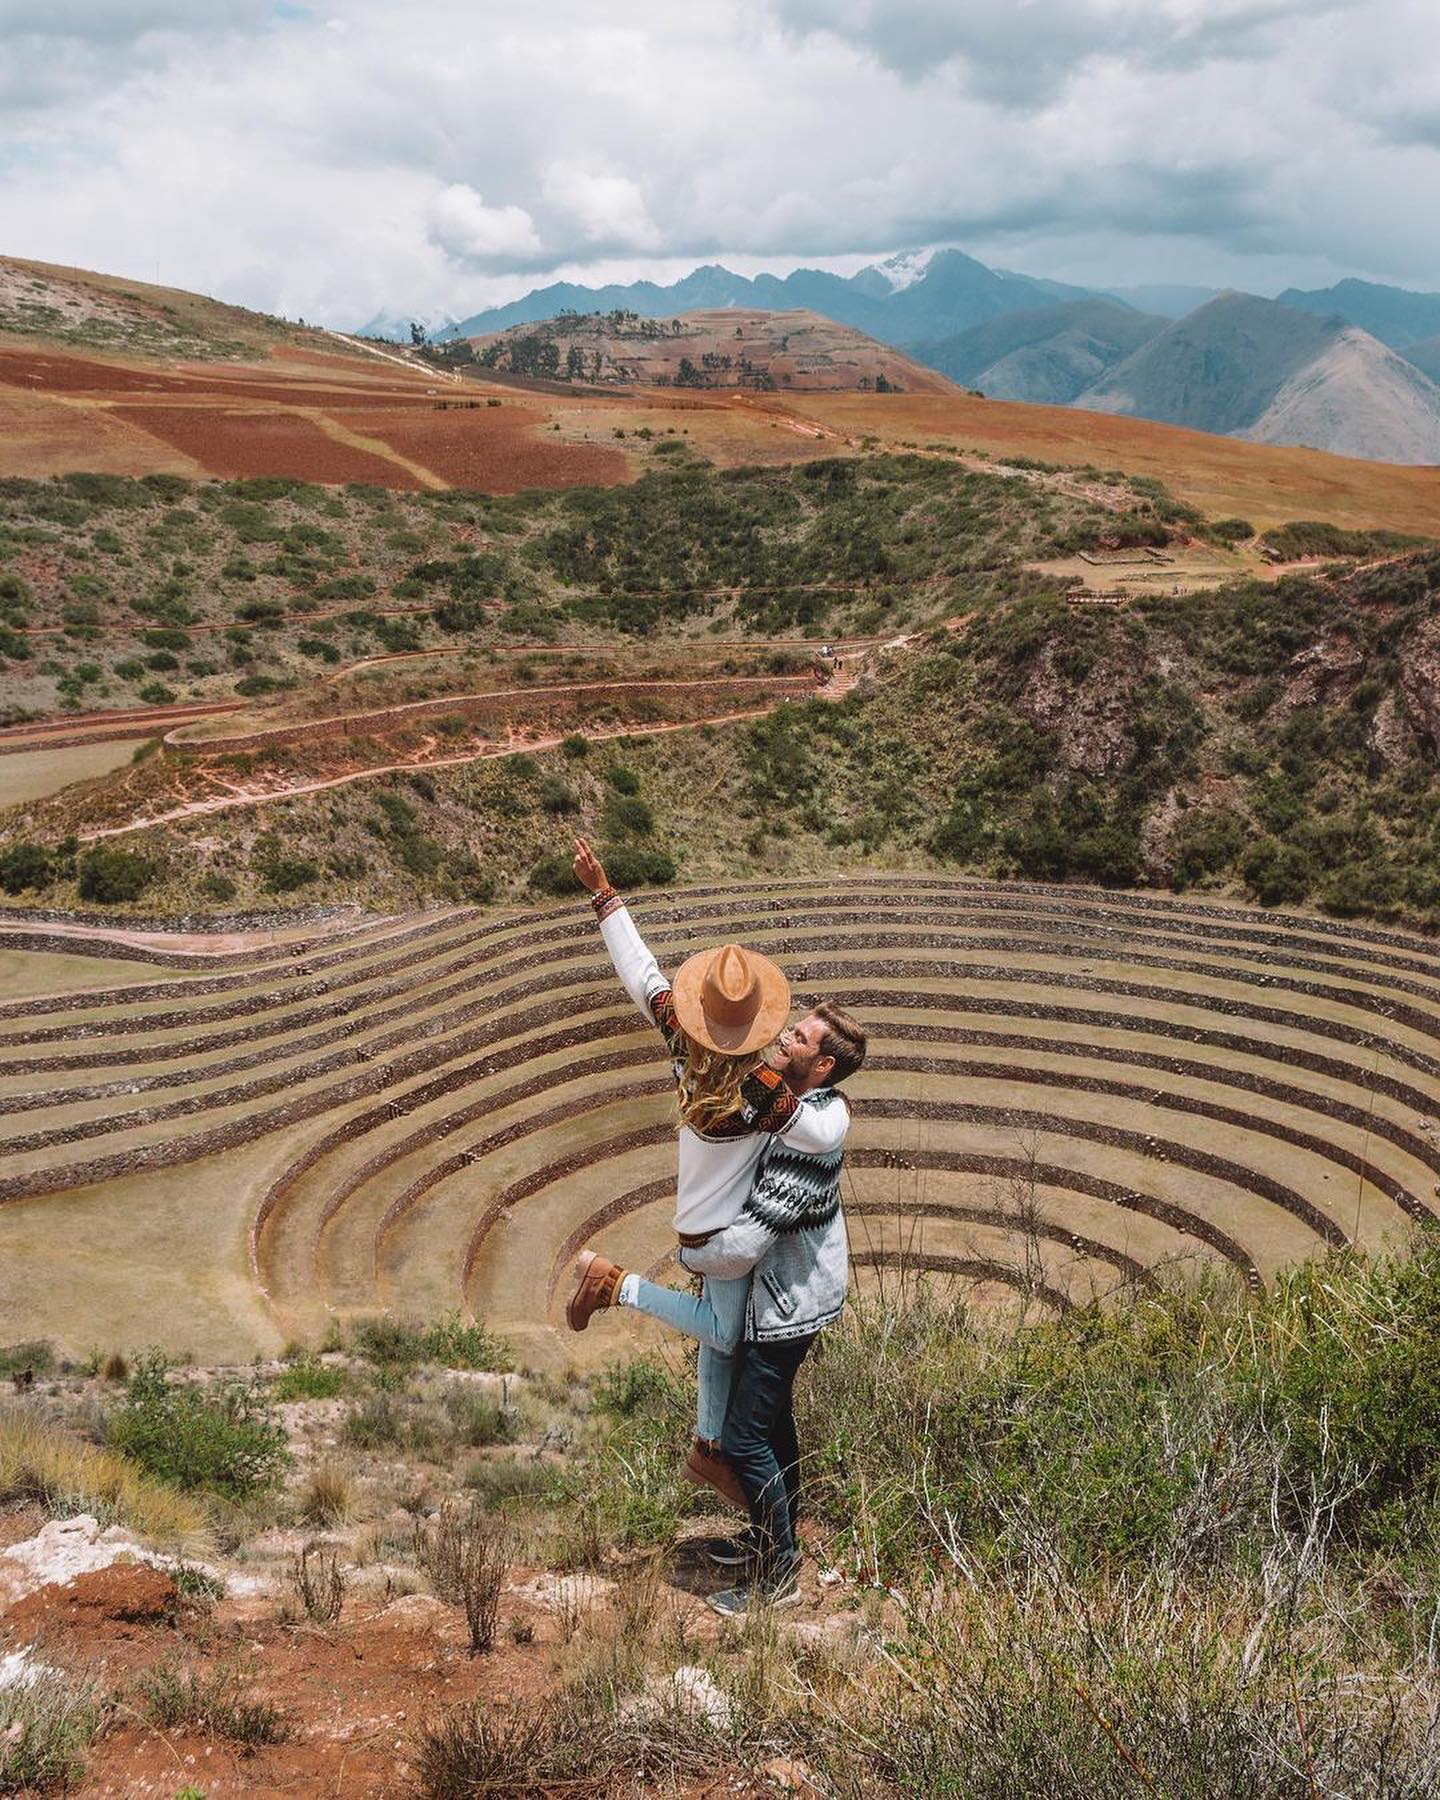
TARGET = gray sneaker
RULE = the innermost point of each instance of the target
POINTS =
(776, 1590)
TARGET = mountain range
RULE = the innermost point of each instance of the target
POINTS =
(1353, 368)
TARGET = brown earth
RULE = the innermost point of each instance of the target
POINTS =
(495, 449)
(227, 442)
(354, 1695)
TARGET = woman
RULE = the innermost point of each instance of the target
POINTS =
(723, 1009)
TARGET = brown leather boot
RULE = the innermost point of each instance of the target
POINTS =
(597, 1283)
(711, 1468)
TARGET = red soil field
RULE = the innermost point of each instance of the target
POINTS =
(232, 444)
(34, 372)
(494, 448)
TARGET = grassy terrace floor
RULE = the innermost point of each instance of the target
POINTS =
(1066, 1087)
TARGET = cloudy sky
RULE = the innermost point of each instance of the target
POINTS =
(334, 159)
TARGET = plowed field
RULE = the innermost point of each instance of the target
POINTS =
(1066, 1089)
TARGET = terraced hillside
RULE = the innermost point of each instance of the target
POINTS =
(1066, 1089)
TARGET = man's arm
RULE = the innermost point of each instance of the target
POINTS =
(819, 1129)
(732, 1252)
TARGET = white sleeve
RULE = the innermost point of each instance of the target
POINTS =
(640, 974)
(817, 1130)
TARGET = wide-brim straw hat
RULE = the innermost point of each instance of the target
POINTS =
(732, 1000)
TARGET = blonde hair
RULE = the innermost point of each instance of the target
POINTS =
(708, 1090)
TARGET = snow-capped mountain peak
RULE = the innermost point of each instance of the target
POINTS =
(906, 268)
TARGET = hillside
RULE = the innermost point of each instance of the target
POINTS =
(1425, 354)
(764, 352)
(1031, 738)
(1216, 369)
(1257, 369)
(1396, 316)
(1047, 355)
(79, 309)
(1356, 398)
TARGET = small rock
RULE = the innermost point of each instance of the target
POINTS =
(415, 1612)
(565, 1593)
(789, 1774)
(693, 1692)
(689, 1691)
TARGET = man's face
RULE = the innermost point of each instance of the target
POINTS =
(799, 1059)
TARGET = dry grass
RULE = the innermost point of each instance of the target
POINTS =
(42, 1463)
(319, 1581)
(465, 1554)
(328, 1496)
(1262, 482)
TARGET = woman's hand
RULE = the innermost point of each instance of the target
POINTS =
(588, 871)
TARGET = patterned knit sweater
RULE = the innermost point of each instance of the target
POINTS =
(791, 1232)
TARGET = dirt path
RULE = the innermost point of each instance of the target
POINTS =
(551, 741)
(372, 446)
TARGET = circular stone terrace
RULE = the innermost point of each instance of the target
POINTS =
(1066, 1090)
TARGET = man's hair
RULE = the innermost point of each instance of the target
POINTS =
(843, 1040)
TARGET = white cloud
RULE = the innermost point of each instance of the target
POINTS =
(425, 156)
(609, 209)
(460, 222)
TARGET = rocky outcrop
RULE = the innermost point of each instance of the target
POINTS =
(1316, 672)
(1420, 682)
(1090, 718)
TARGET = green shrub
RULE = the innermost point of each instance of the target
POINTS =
(627, 814)
(155, 693)
(221, 1440)
(217, 887)
(36, 1356)
(283, 874)
(113, 876)
(623, 780)
(307, 1379)
(450, 1340)
(575, 745)
(346, 587)
(1280, 874)
(556, 797)
(25, 866)
(1316, 537)
(553, 875)
(628, 866)
(261, 612)
(457, 1343)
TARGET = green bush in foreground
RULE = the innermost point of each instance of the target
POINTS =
(1181, 1545)
(451, 1341)
(220, 1440)
(1175, 1426)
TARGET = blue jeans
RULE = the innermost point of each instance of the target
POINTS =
(717, 1320)
(759, 1439)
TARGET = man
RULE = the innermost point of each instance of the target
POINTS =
(791, 1237)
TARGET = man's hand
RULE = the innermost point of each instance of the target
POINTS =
(588, 871)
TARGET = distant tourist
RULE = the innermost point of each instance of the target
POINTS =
(761, 1143)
